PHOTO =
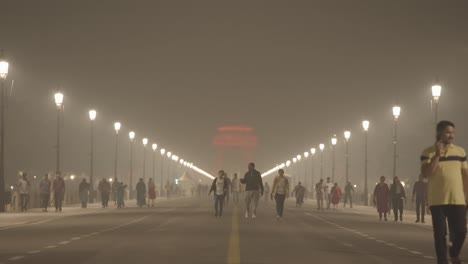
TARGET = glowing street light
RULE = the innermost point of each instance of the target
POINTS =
(365, 126)
(396, 114)
(321, 147)
(131, 135)
(334, 140)
(3, 75)
(117, 127)
(436, 92)
(58, 97)
(92, 116)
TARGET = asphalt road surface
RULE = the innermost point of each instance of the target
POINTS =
(186, 231)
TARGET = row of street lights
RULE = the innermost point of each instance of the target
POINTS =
(396, 111)
(59, 102)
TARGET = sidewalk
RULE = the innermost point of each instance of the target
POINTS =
(36, 216)
(409, 216)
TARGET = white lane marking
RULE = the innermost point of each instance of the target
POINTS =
(16, 258)
(347, 244)
(95, 233)
(75, 238)
(51, 246)
(64, 242)
(34, 251)
(372, 238)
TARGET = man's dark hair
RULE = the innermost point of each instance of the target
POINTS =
(441, 126)
(252, 164)
(280, 170)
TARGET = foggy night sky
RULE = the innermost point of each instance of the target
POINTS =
(174, 71)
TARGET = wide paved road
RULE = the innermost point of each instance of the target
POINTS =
(185, 231)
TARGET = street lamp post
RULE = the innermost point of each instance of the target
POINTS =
(299, 167)
(131, 135)
(365, 126)
(322, 147)
(145, 142)
(333, 142)
(306, 156)
(3, 75)
(162, 151)
(347, 135)
(117, 127)
(169, 175)
(436, 91)
(92, 117)
(154, 147)
(396, 114)
(312, 168)
(59, 103)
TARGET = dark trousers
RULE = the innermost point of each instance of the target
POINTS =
(279, 198)
(105, 199)
(455, 215)
(397, 203)
(420, 208)
(45, 198)
(58, 199)
(219, 204)
(24, 200)
(347, 197)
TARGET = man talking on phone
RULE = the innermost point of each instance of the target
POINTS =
(445, 166)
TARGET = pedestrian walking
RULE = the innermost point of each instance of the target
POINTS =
(229, 183)
(299, 192)
(327, 191)
(253, 190)
(348, 194)
(58, 186)
(44, 192)
(267, 191)
(24, 187)
(319, 193)
(398, 196)
(114, 186)
(219, 187)
(420, 193)
(381, 198)
(105, 189)
(151, 192)
(235, 189)
(141, 193)
(444, 165)
(83, 191)
(280, 192)
(120, 192)
(335, 196)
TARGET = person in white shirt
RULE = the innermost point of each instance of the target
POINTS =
(328, 188)
(235, 188)
(219, 187)
(23, 189)
(280, 192)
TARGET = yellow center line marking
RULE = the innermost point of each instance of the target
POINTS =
(233, 256)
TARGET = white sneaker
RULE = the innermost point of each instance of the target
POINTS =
(254, 216)
(246, 214)
(277, 217)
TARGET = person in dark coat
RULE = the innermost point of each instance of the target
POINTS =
(141, 193)
(381, 198)
(398, 196)
(120, 192)
(420, 193)
(83, 191)
(105, 188)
